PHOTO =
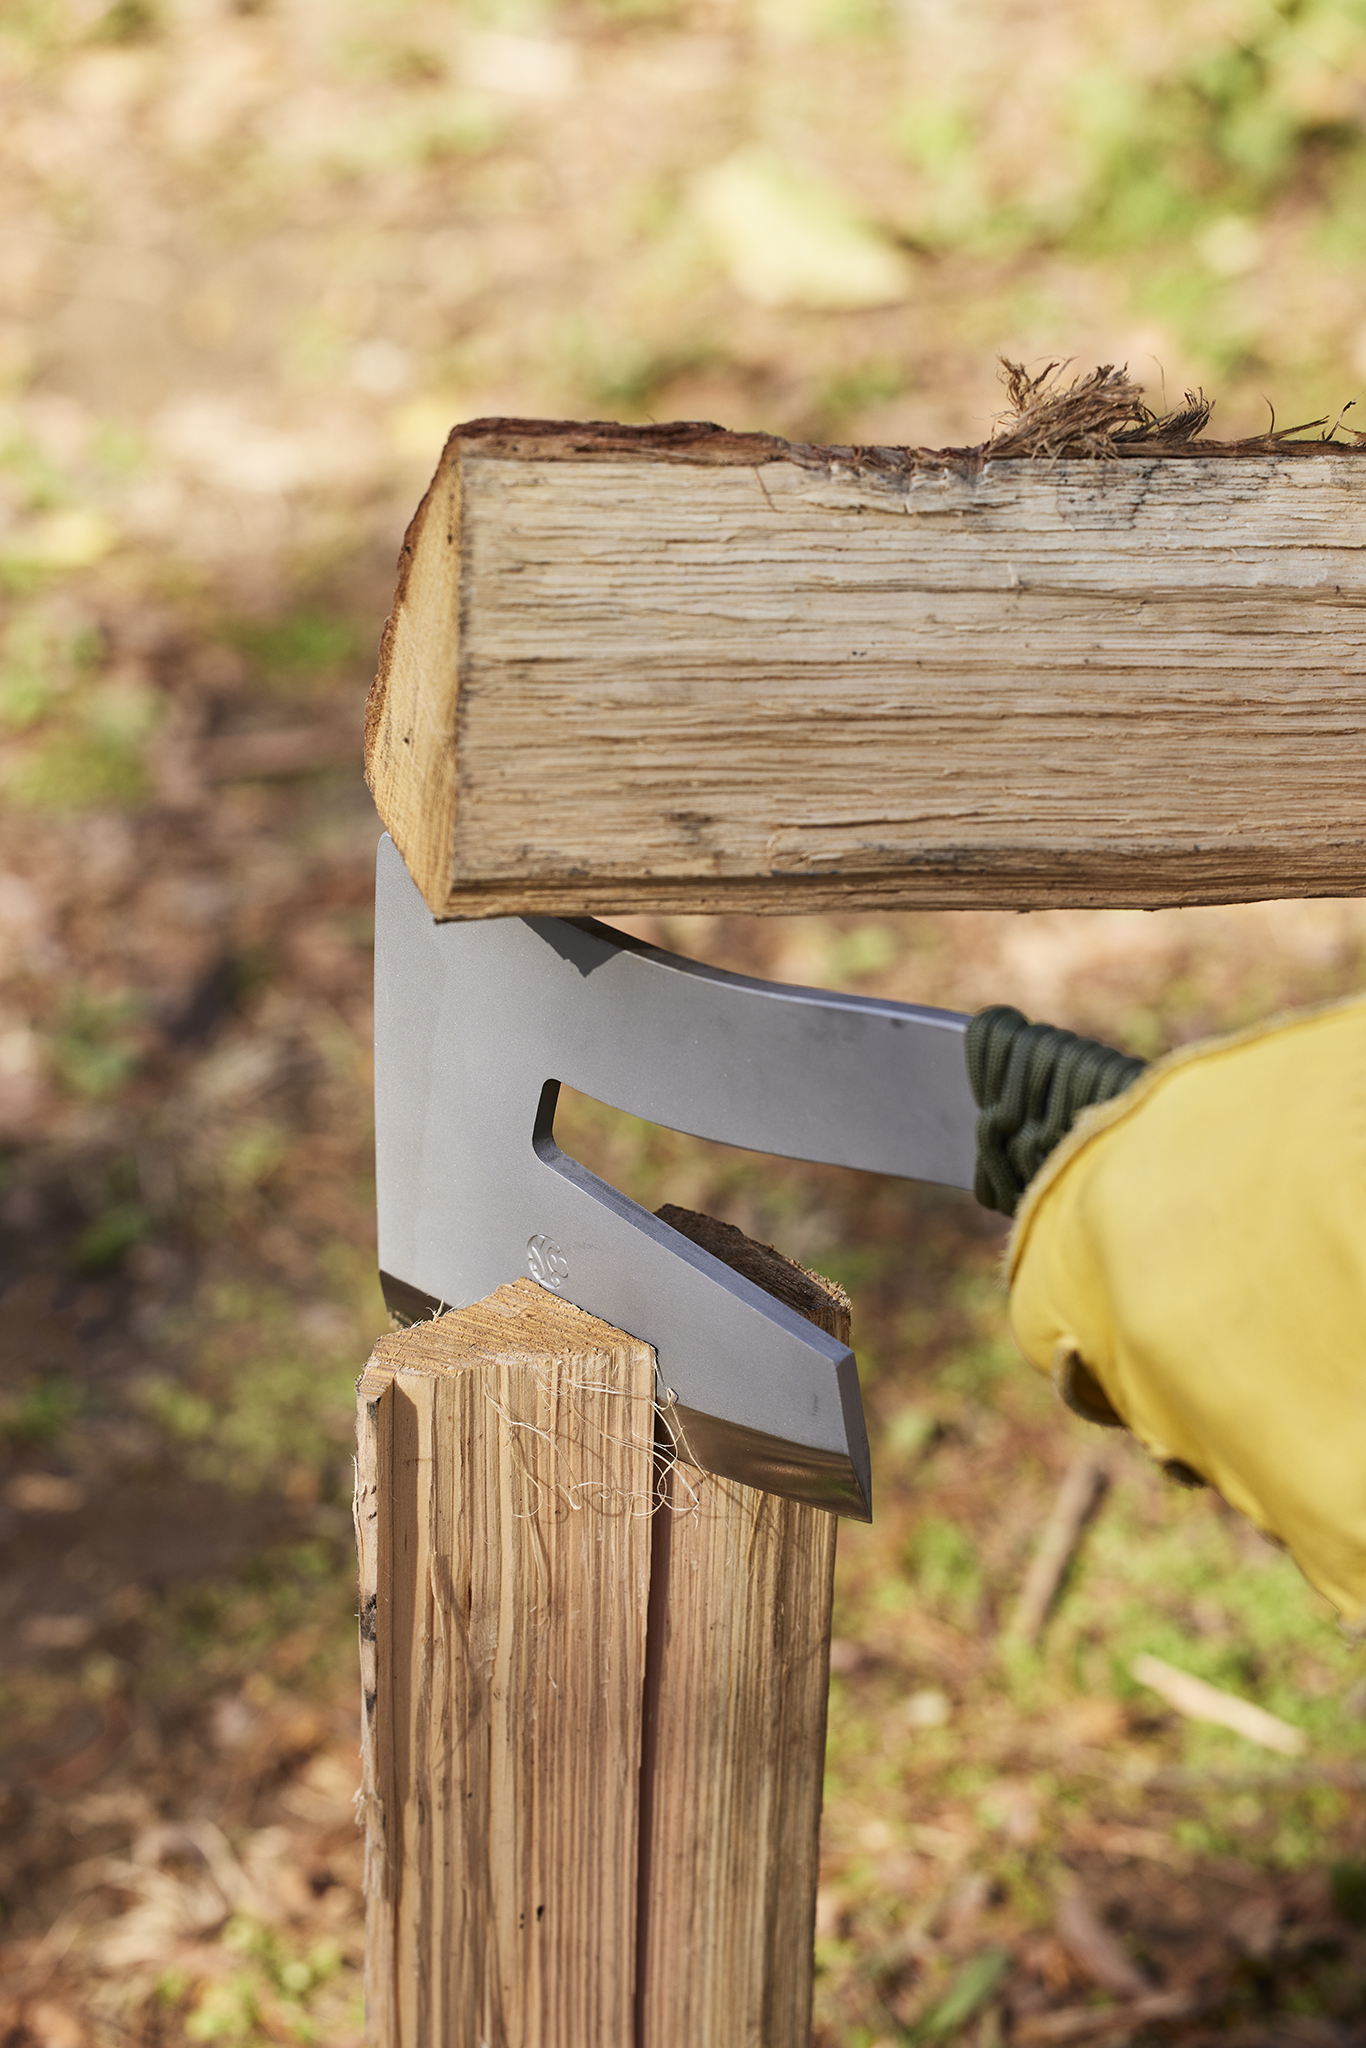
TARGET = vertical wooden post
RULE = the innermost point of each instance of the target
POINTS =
(503, 1495)
(594, 1694)
(739, 1676)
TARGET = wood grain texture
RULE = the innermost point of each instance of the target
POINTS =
(739, 1668)
(594, 1735)
(681, 670)
(503, 1492)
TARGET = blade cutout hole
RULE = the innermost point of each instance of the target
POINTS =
(845, 1224)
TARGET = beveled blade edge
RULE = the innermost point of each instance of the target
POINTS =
(407, 1304)
(727, 1450)
(774, 1464)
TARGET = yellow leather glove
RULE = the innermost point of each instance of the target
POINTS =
(1193, 1258)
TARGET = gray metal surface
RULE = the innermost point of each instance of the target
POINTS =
(476, 1027)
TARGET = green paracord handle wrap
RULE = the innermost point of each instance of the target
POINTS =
(1031, 1083)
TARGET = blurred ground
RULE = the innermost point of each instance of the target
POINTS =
(255, 260)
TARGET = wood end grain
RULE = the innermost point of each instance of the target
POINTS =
(823, 1302)
(410, 713)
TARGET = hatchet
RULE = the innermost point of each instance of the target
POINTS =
(477, 1027)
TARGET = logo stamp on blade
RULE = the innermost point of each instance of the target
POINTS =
(546, 1261)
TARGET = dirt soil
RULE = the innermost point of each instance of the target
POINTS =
(257, 258)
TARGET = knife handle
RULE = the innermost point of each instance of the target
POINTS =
(1031, 1082)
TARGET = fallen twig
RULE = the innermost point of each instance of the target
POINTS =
(1096, 1949)
(1093, 2022)
(1200, 1701)
(1116, 1839)
(1182, 1777)
(1087, 1478)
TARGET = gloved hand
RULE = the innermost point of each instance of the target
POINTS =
(1191, 1261)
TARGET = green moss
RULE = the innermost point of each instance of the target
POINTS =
(1348, 1881)
(262, 1405)
(944, 1567)
(103, 1243)
(302, 648)
(226, 2012)
(95, 1048)
(970, 1990)
(38, 1414)
(43, 657)
(253, 1155)
(79, 772)
(870, 948)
